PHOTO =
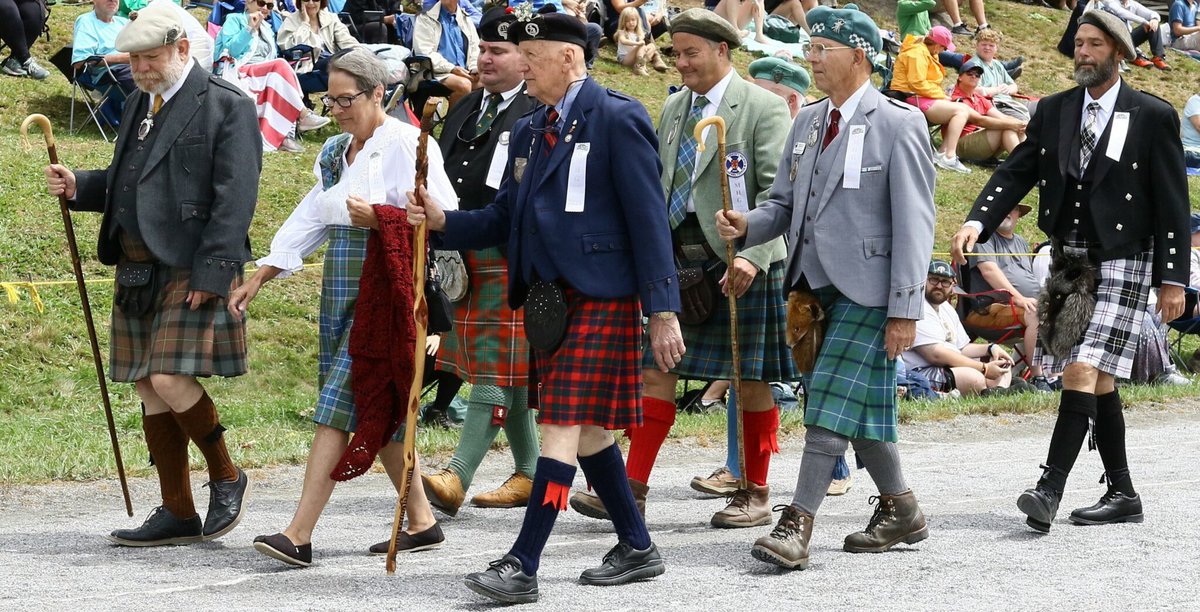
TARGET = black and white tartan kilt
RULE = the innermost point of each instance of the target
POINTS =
(1110, 342)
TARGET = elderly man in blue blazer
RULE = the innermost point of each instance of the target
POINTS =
(854, 194)
(589, 251)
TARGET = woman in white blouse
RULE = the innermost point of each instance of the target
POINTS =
(372, 161)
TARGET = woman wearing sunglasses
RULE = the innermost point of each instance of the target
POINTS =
(314, 26)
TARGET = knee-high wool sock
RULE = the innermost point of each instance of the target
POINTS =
(761, 442)
(521, 429)
(882, 461)
(606, 472)
(201, 424)
(168, 450)
(644, 442)
(548, 498)
(1110, 441)
(822, 448)
(476, 437)
(1071, 428)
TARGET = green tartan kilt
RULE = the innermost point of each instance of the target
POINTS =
(852, 390)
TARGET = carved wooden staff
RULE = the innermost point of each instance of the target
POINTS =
(421, 315)
(719, 125)
(48, 132)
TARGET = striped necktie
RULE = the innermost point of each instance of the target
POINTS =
(1088, 136)
(551, 133)
(685, 164)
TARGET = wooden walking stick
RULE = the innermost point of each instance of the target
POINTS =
(719, 125)
(48, 132)
(421, 315)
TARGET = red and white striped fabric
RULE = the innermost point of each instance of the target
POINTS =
(277, 96)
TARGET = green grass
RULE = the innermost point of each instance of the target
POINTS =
(51, 423)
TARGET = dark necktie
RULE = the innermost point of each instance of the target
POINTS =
(831, 131)
(551, 133)
(489, 115)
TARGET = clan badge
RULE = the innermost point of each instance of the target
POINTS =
(736, 164)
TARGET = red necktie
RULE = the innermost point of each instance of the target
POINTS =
(551, 133)
(831, 132)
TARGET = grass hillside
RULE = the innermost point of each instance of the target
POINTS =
(50, 421)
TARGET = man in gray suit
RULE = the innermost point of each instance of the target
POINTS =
(177, 201)
(854, 194)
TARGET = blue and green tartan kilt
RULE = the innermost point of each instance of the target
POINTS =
(347, 248)
(852, 390)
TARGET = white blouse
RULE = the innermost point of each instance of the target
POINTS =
(382, 172)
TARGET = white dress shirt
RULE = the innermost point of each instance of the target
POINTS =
(714, 95)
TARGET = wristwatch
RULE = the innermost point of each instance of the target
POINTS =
(665, 316)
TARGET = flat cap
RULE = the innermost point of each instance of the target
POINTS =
(546, 24)
(1113, 26)
(781, 71)
(706, 24)
(495, 23)
(847, 25)
(156, 25)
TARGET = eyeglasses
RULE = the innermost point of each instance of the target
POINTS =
(818, 50)
(940, 282)
(342, 101)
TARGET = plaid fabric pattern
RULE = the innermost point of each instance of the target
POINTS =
(853, 386)
(594, 377)
(173, 338)
(1110, 342)
(487, 345)
(938, 377)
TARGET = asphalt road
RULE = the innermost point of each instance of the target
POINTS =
(967, 474)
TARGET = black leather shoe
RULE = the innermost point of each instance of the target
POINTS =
(280, 547)
(624, 564)
(225, 506)
(504, 581)
(1040, 504)
(1114, 507)
(440, 417)
(162, 528)
(422, 540)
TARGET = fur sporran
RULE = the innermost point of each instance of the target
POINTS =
(1067, 300)
(806, 325)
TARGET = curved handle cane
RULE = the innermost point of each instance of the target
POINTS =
(69, 228)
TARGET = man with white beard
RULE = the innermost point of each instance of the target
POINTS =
(177, 201)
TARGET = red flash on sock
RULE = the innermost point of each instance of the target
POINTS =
(556, 496)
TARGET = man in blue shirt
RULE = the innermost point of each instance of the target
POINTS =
(96, 37)
(1185, 34)
(446, 34)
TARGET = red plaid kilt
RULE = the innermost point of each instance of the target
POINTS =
(487, 345)
(595, 376)
(172, 338)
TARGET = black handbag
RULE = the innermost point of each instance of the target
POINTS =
(137, 288)
(546, 312)
(440, 311)
(697, 294)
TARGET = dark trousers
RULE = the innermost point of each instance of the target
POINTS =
(20, 23)
(1141, 35)
(116, 83)
(376, 33)
(316, 80)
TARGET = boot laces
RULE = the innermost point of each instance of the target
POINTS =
(790, 524)
(884, 512)
(739, 499)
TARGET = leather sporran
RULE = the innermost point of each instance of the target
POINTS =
(439, 310)
(452, 274)
(1067, 301)
(546, 312)
(698, 295)
(137, 288)
(806, 323)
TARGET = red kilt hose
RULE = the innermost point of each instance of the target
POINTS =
(487, 345)
(595, 376)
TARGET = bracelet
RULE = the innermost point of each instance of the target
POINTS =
(984, 368)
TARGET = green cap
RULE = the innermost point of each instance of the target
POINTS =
(847, 25)
(941, 268)
(706, 24)
(781, 71)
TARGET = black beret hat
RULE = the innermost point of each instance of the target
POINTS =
(548, 24)
(495, 24)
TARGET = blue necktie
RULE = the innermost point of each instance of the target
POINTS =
(685, 163)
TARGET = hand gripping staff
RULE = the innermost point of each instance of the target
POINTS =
(429, 119)
(48, 132)
(718, 124)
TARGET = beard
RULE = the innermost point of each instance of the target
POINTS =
(1088, 75)
(159, 81)
(1007, 225)
(935, 297)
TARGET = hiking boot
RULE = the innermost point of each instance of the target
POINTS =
(787, 544)
(747, 508)
(504, 581)
(720, 483)
(589, 504)
(444, 490)
(897, 519)
(623, 564)
(1113, 507)
(514, 493)
(439, 417)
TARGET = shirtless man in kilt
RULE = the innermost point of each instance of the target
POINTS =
(854, 193)
(589, 252)
(177, 201)
(756, 121)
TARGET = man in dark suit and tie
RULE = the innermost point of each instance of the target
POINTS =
(177, 201)
(1109, 168)
(589, 251)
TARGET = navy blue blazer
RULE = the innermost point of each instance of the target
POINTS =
(619, 245)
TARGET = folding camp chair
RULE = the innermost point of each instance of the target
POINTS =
(92, 97)
(979, 299)
(1183, 327)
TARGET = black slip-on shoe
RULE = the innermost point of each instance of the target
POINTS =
(280, 547)
(405, 543)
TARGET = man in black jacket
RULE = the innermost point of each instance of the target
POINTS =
(1109, 167)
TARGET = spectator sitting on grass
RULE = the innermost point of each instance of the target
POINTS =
(632, 49)
(741, 12)
(1143, 27)
(446, 34)
(976, 143)
(1189, 132)
(959, 28)
(997, 82)
(1185, 34)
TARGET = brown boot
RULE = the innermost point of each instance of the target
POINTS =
(444, 490)
(747, 508)
(787, 545)
(514, 493)
(589, 504)
(658, 63)
(897, 519)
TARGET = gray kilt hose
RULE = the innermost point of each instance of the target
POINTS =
(172, 338)
(487, 344)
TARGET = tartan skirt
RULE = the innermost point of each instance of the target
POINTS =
(172, 338)
(487, 345)
(594, 378)
(852, 390)
(1110, 342)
